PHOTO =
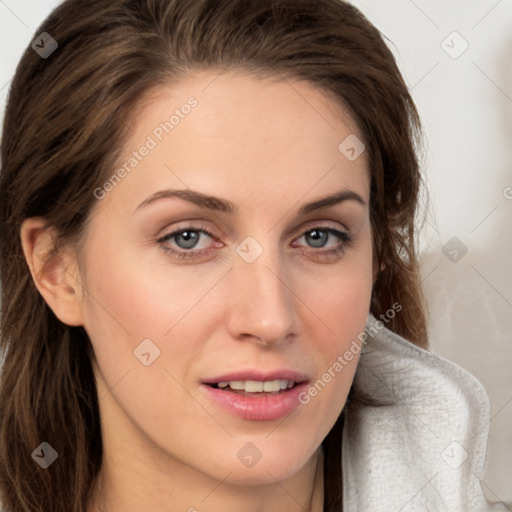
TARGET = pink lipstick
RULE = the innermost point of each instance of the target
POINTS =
(256, 395)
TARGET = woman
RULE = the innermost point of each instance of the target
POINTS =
(208, 215)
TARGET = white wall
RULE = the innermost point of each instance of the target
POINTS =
(466, 106)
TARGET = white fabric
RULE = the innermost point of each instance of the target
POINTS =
(423, 451)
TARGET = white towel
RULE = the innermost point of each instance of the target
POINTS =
(423, 451)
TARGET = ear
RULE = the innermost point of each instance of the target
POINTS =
(55, 274)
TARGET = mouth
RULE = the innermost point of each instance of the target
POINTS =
(256, 396)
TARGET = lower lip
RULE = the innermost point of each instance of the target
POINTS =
(257, 407)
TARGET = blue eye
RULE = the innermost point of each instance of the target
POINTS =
(196, 242)
(185, 240)
(318, 237)
(188, 239)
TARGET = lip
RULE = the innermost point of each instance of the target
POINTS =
(257, 407)
(284, 374)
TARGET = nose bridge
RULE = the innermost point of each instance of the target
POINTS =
(262, 306)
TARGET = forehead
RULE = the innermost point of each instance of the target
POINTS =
(231, 132)
(265, 108)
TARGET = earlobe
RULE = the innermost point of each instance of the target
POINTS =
(54, 272)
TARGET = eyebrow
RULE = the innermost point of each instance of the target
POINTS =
(225, 206)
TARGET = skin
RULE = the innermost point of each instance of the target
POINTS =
(269, 147)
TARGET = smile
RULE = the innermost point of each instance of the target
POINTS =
(257, 399)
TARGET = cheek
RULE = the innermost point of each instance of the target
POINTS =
(132, 298)
(341, 303)
(137, 296)
(133, 308)
(341, 297)
(344, 311)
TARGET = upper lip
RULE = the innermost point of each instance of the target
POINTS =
(258, 375)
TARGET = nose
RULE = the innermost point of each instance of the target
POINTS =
(262, 303)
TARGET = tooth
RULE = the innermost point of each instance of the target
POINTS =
(271, 385)
(253, 386)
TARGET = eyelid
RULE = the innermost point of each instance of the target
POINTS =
(316, 223)
(191, 225)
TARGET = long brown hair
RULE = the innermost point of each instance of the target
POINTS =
(65, 123)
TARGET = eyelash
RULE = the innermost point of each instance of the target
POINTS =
(344, 237)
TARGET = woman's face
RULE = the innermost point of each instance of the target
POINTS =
(246, 277)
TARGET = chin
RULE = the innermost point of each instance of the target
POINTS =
(264, 465)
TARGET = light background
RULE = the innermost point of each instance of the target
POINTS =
(465, 101)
